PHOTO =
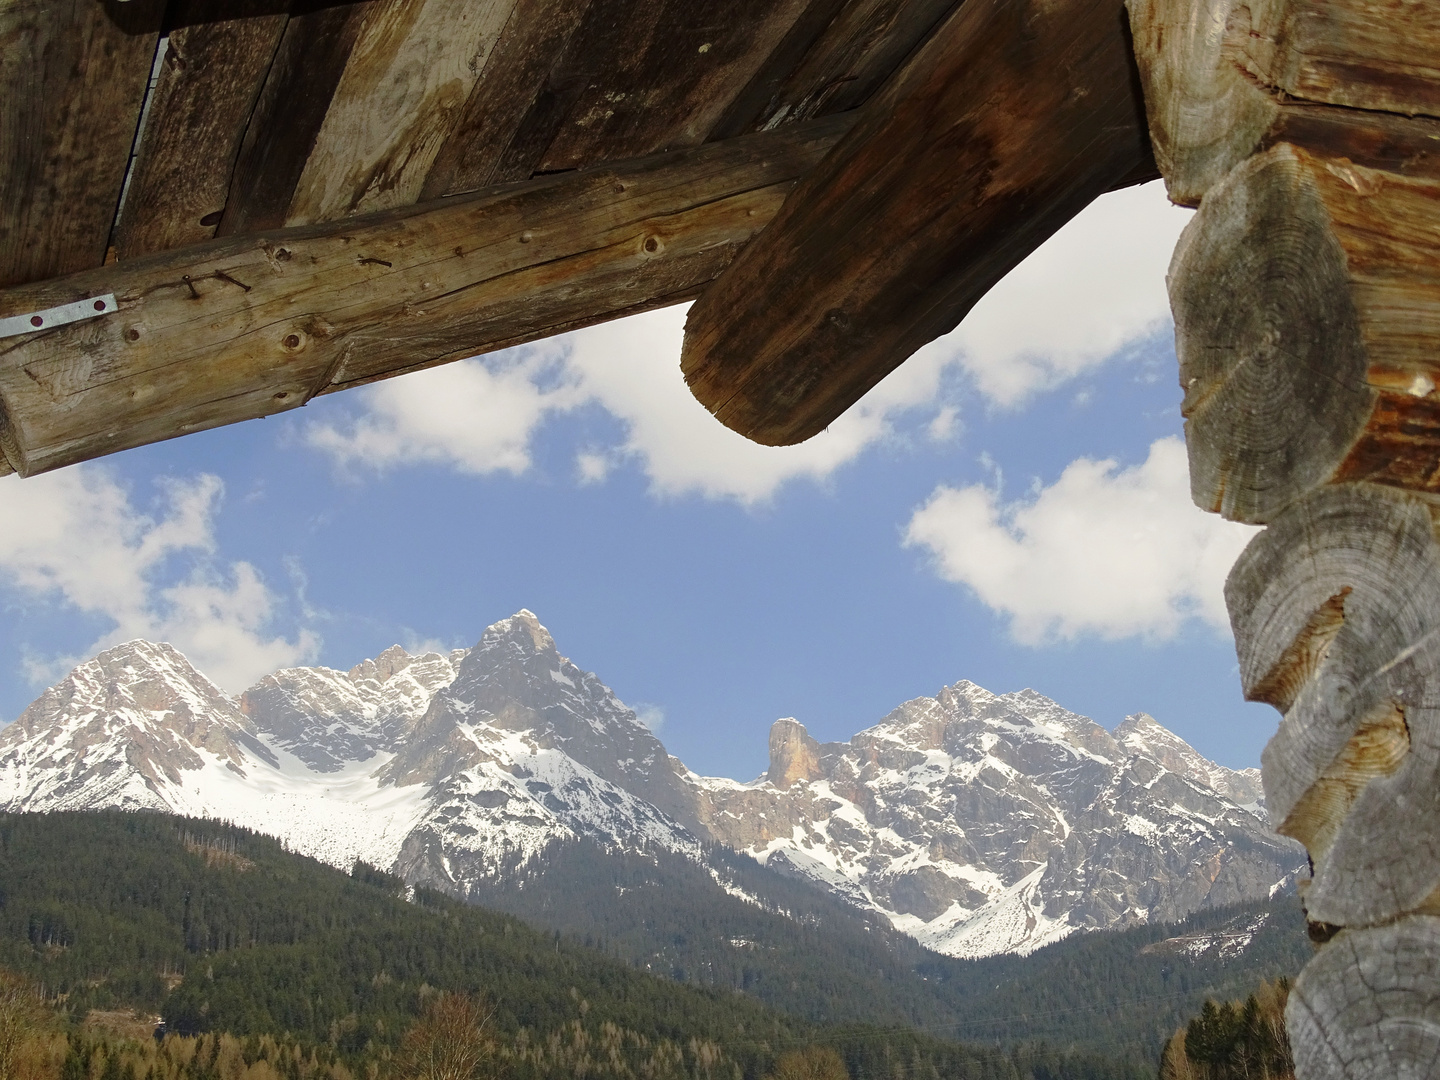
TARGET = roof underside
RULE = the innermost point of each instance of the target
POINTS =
(289, 198)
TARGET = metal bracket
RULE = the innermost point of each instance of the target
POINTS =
(58, 316)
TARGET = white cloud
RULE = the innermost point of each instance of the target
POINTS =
(652, 716)
(1104, 550)
(1093, 288)
(476, 416)
(74, 535)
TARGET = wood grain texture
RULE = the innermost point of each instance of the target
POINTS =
(207, 88)
(73, 76)
(405, 83)
(1306, 295)
(520, 76)
(932, 198)
(670, 81)
(286, 121)
(861, 44)
(248, 326)
(1336, 611)
(1218, 74)
(1367, 1006)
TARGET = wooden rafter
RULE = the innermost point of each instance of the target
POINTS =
(249, 326)
(1009, 121)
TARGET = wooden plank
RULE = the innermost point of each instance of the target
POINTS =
(859, 48)
(73, 76)
(1306, 295)
(519, 73)
(209, 82)
(668, 88)
(1213, 96)
(1007, 123)
(287, 118)
(408, 77)
(247, 326)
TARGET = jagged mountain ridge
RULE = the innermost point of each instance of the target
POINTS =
(978, 823)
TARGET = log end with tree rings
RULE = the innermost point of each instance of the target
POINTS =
(1367, 1005)
(1268, 338)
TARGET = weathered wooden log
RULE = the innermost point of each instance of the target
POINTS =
(1006, 123)
(72, 80)
(1336, 611)
(196, 118)
(248, 326)
(1306, 295)
(1221, 75)
(1368, 1005)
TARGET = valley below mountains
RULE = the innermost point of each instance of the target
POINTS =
(978, 824)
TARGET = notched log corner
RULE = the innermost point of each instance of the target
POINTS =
(1335, 77)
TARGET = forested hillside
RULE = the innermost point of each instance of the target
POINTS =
(223, 931)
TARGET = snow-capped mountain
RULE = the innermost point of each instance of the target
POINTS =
(977, 823)
(983, 823)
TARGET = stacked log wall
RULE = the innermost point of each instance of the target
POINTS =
(1306, 295)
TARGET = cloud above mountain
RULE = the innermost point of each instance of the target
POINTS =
(1092, 290)
(76, 539)
(1104, 550)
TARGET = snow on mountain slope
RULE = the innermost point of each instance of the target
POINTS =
(983, 823)
(978, 823)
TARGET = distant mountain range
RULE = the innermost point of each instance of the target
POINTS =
(977, 823)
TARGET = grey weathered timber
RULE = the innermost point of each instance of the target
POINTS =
(248, 326)
(1306, 295)
(1220, 74)
(412, 67)
(196, 118)
(1368, 1005)
(73, 75)
(1336, 612)
(933, 197)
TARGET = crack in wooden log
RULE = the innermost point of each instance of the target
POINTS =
(341, 304)
(1367, 1006)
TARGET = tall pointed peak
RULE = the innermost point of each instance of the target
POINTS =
(524, 628)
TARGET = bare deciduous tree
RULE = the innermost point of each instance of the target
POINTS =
(452, 1040)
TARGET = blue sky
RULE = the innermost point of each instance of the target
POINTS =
(1009, 507)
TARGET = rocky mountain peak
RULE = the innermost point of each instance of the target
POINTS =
(1141, 733)
(794, 755)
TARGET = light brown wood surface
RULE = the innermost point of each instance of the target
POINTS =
(933, 197)
(1219, 74)
(1306, 295)
(249, 326)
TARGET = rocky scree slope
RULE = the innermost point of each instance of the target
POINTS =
(977, 823)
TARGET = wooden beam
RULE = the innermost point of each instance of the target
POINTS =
(1007, 122)
(1220, 76)
(73, 75)
(196, 118)
(1306, 294)
(248, 326)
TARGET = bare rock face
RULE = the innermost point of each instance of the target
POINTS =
(327, 718)
(794, 755)
(983, 823)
